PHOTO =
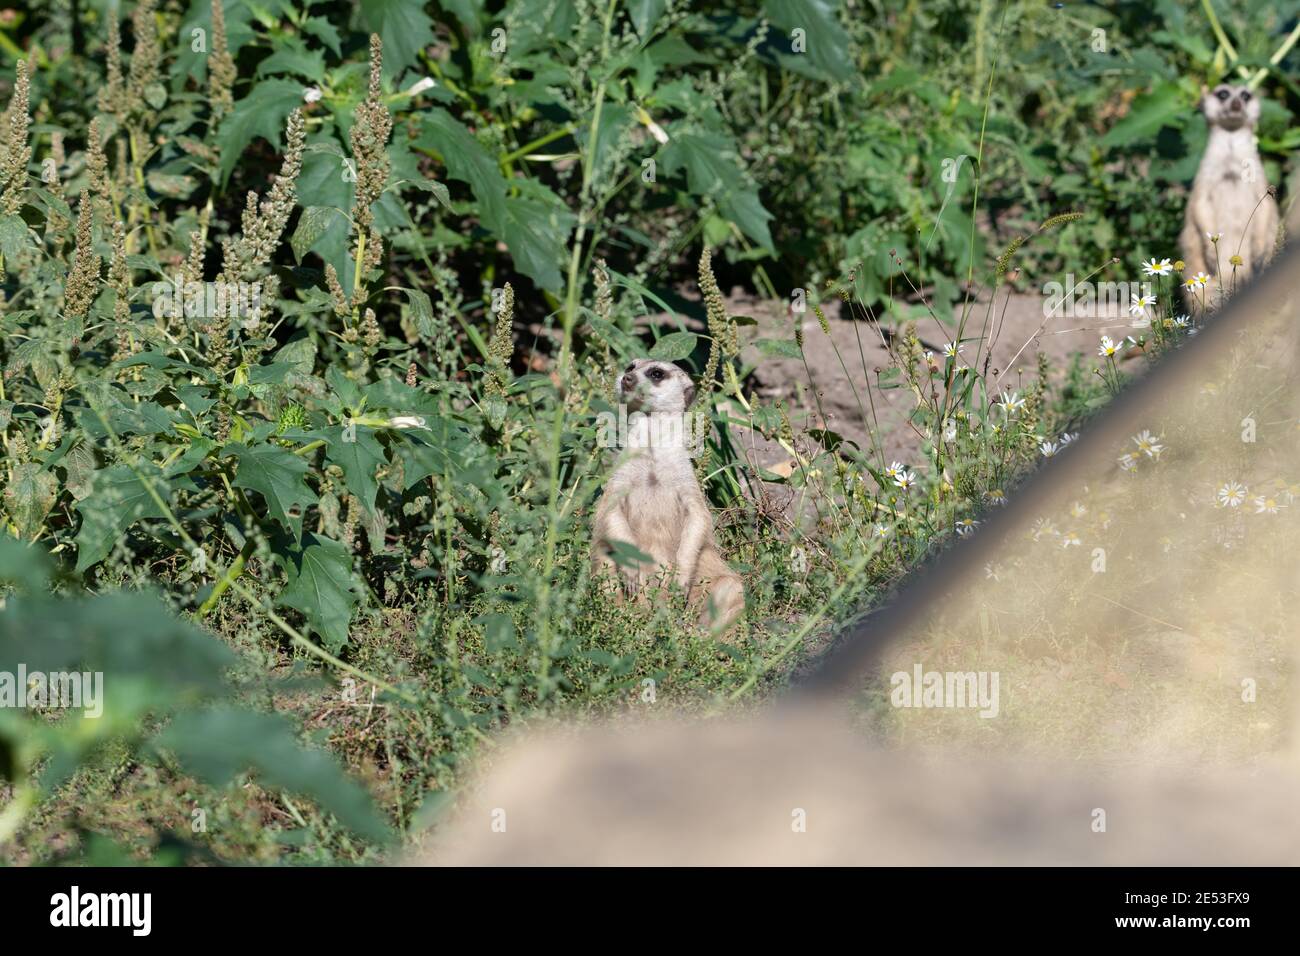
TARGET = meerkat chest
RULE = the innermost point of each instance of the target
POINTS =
(1232, 169)
(655, 493)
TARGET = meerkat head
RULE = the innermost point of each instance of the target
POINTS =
(648, 385)
(1230, 107)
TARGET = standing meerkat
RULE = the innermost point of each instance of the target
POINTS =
(1230, 196)
(653, 501)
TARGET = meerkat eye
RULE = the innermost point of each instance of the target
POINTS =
(1222, 94)
(656, 375)
(1245, 96)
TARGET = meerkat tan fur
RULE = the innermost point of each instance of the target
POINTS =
(653, 501)
(1230, 196)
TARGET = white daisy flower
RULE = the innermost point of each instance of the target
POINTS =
(881, 531)
(1232, 495)
(1070, 538)
(894, 468)
(1049, 448)
(1012, 402)
(1158, 268)
(1147, 444)
(1140, 303)
(1108, 347)
(952, 349)
(1128, 461)
(1201, 279)
(1182, 321)
(1266, 504)
(966, 525)
(1043, 526)
(996, 497)
(1067, 437)
(1214, 236)
(905, 479)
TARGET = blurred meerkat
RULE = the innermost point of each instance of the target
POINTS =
(653, 501)
(1230, 196)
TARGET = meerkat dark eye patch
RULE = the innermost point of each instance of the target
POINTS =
(656, 375)
(1222, 94)
(1245, 96)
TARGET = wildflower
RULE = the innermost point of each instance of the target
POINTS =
(1266, 504)
(420, 86)
(1147, 444)
(1049, 448)
(1108, 348)
(1140, 304)
(966, 525)
(952, 349)
(1043, 526)
(895, 467)
(993, 571)
(1235, 261)
(1128, 461)
(881, 531)
(1232, 495)
(1201, 279)
(369, 138)
(311, 94)
(1012, 402)
(1214, 236)
(18, 151)
(905, 479)
(1180, 265)
(1182, 321)
(1157, 268)
(1070, 539)
(1078, 509)
(996, 497)
(221, 66)
(1067, 437)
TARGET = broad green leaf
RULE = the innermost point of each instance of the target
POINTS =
(312, 224)
(15, 237)
(292, 56)
(403, 26)
(276, 475)
(218, 744)
(1163, 106)
(825, 41)
(645, 14)
(118, 499)
(355, 449)
(321, 586)
(324, 31)
(28, 498)
(674, 346)
(713, 169)
(465, 159)
(779, 348)
(261, 113)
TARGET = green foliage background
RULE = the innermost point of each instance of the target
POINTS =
(381, 475)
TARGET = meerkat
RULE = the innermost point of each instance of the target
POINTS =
(654, 503)
(1230, 198)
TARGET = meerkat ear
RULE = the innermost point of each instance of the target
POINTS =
(689, 392)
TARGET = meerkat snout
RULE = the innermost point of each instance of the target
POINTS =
(653, 386)
(1230, 107)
